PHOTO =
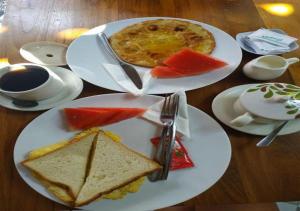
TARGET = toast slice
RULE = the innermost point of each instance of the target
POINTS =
(65, 167)
(113, 165)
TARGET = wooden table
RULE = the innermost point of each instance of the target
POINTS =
(254, 175)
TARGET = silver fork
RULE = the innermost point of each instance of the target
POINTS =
(164, 151)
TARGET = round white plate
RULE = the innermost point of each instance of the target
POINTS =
(209, 148)
(241, 36)
(85, 57)
(45, 53)
(73, 87)
(222, 107)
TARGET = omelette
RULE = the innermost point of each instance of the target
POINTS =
(149, 43)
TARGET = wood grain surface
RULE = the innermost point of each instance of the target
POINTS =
(255, 175)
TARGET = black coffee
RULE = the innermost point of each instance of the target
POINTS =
(23, 78)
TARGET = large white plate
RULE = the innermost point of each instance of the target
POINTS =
(209, 148)
(85, 57)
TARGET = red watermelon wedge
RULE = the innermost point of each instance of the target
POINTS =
(187, 63)
(87, 117)
(166, 72)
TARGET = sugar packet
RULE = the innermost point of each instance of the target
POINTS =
(271, 37)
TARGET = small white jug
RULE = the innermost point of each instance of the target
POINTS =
(268, 67)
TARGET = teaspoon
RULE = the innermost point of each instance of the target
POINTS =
(266, 141)
(25, 103)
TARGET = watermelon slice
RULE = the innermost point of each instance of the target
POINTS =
(187, 63)
(166, 72)
(87, 117)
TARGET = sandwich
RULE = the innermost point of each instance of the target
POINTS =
(89, 167)
(64, 167)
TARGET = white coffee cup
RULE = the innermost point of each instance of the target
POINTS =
(245, 117)
(48, 88)
(267, 103)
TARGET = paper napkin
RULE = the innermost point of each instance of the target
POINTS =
(182, 122)
(118, 75)
(269, 42)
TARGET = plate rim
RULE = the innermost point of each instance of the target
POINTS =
(226, 141)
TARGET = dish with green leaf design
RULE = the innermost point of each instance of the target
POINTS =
(276, 101)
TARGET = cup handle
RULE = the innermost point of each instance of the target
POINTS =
(292, 60)
(242, 120)
(280, 98)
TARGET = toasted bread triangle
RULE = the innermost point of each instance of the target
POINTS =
(65, 167)
(113, 165)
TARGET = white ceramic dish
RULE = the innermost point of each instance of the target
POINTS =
(73, 86)
(268, 67)
(240, 39)
(209, 148)
(45, 53)
(85, 57)
(222, 107)
(49, 88)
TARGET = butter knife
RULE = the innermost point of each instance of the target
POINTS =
(128, 69)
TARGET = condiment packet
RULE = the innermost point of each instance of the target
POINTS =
(266, 41)
(182, 121)
(180, 157)
(265, 48)
(272, 37)
(118, 75)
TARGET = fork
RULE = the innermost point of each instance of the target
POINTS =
(166, 143)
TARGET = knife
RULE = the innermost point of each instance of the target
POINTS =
(128, 69)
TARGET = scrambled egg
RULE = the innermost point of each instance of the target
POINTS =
(61, 193)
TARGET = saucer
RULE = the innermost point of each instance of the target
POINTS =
(72, 88)
(240, 39)
(222, 107)
(45, 53)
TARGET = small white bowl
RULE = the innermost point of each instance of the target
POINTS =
(52, 86)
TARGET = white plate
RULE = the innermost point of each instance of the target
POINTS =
(241, 36)
(209, 148)
(85, 57)
(222, 107)
(73, 87)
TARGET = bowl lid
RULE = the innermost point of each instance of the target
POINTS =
(278, 101)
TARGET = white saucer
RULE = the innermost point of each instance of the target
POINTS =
(222, 107)
(240, 39)
(73, 87)
(45, 53)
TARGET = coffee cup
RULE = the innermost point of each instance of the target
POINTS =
(245, 117)
(28, 81)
